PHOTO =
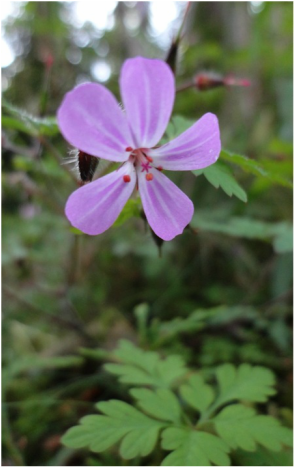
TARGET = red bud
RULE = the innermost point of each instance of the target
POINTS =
(205, 81)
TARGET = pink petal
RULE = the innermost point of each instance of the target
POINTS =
(147, 90)
(167, 208)
(90, 119)
(196, 148)
(94, 207)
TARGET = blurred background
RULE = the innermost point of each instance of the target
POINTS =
(222, 293)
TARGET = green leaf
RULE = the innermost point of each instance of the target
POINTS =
(161, 403)
(193, 448)
(256, 168)
(280, 233)
(201, 318)
(221, 176)
(283, 242)
(23, 121)
(263, 457)
(246, 382)
(121, 421)
(235, 226)
(131, 209)
(269, 170)
(146, 367)
(239, 426)
(15, 124)
(196, 393)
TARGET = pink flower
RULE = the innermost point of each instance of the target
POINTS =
(91, 119)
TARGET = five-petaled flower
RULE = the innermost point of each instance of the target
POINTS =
(91, 119)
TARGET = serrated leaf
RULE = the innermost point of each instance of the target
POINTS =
(239, 426)
(138, 432)
(145, 367)
(246, 382)
(256, 168)
(193, 448)
(131, 209)
(197, 393)
(161, 403)
(221, 176)
(269, 170)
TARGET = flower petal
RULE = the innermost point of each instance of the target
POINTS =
(94, 207)
(90, 119)
(167, 208)
(147, 90)
(196, 148)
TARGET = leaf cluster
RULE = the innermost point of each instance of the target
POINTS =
(198, 423)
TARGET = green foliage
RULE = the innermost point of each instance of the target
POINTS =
(146, 368)
(239, 426)
(19, 119)
(263, 457)
(221, 176)
(260, 169)
(35, 362)
(219, 295)
(202, 318)
(194, 448)
(280, 233)
(161, 403)
(121, 421)
(197, 393)
(157, 409)
(131, 209)
(244, 383)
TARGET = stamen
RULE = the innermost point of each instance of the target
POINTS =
(159, 168)
(126, 178)
(149, 176)
(129, 148)
(149, 159)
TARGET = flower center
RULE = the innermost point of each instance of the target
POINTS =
(140, 160)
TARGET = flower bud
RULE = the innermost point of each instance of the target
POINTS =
(87, 165)
(205, 81)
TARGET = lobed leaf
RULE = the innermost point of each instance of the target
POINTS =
(161, 403)
(219, 175)
(138, 432)
(239, 426)
(260, 169)
(246, 382)
(146, 367)
(269, 170)
(197, 393)
(193, 448)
